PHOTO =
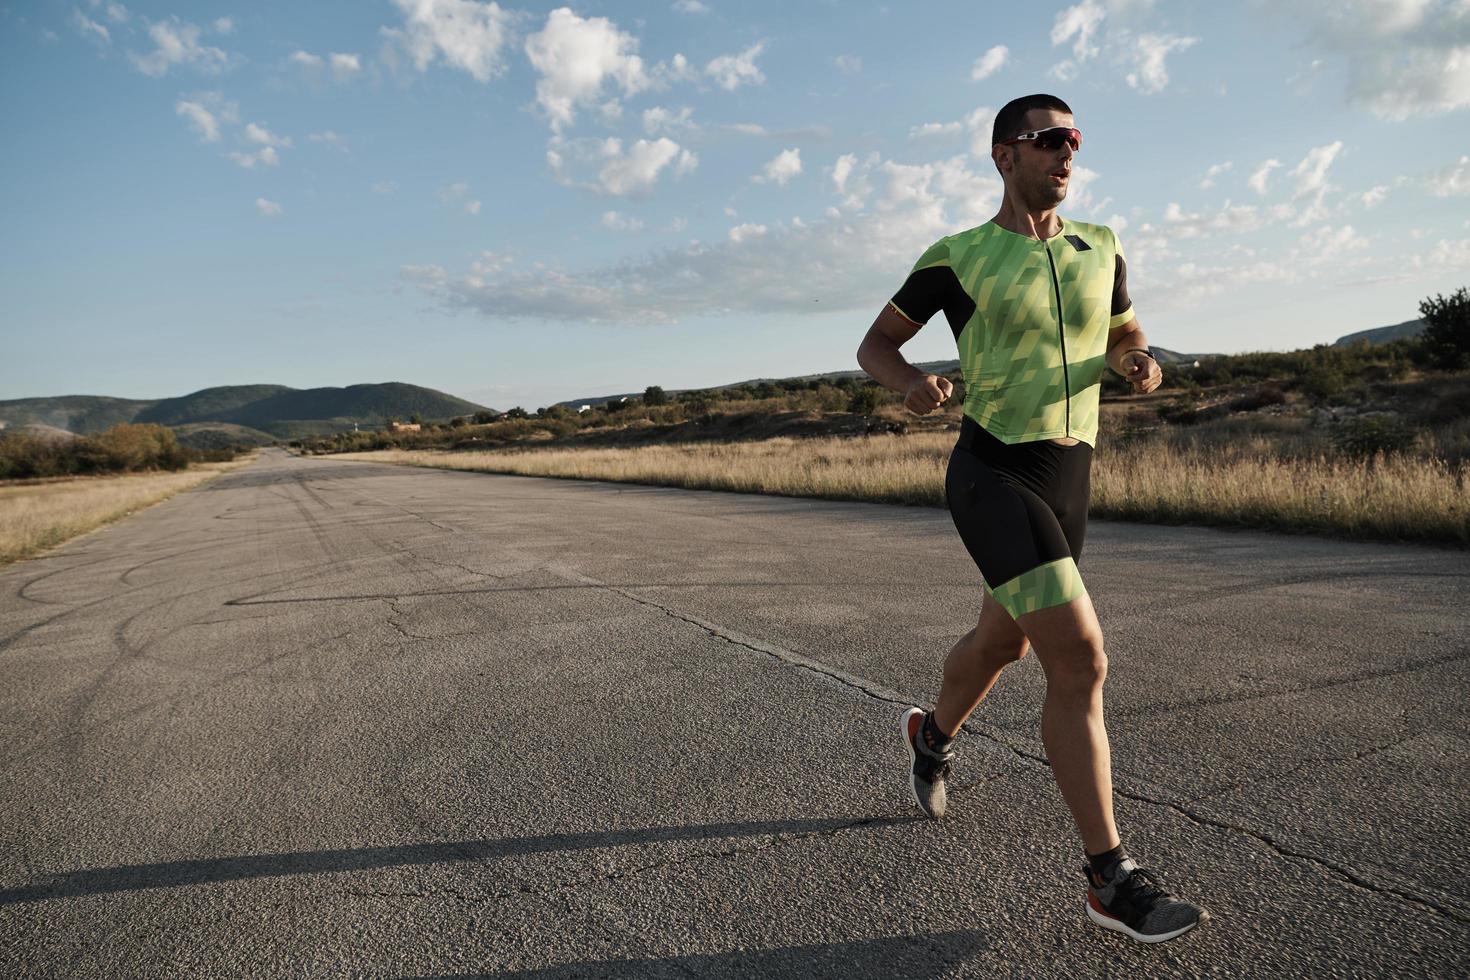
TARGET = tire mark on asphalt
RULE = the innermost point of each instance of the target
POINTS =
(882, 693)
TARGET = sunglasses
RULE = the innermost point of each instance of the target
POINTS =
(1049, 139)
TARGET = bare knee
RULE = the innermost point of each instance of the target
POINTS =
(1078, 668)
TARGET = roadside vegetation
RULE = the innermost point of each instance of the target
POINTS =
(35, 453)
(40, 514)
(1367, 441)
(54, 485)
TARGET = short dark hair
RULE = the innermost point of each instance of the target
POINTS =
(1011, 119)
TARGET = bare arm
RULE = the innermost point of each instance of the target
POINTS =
(1138, 369)
(878, 355)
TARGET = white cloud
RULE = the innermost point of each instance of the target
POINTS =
(90, 28)
(1140, 56)
(344, 65)
(268, 208)
(385, 187)
(116, 13)
(1257, 180)
(616, 221)
(604, 166)
(1215, 170)
(1080, 22)
(256, 133)
(224, 25)
(989, 63)
(1311, 173)
(1327, 245)
(745, 232)
(786, 269)
(205, 119)
(457, 195)
(781, 169)
(575, 56)
(177, 43)
(637, 170)
(1149, 52)
(848, 64)
(730, 71)
(1452, 181)
(658, 118)
(1403, 58)
(977, 123)
(265, 156)
(1374, 195)
(934, 129)
(691, 7)
(464, 34)
(306, 59)
(329, 137)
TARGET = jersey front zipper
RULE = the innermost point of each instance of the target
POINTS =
(1056, 285)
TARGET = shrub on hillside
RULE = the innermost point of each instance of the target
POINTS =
(865, 401)
(121, 449)
(1366, 435)
(1446, 336)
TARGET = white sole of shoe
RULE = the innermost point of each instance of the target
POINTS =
(1116, 926)
(908, 746)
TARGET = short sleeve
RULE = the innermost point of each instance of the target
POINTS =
(924, 291)
(1122, 308)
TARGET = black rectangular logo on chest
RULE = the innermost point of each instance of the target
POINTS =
(1078, 243)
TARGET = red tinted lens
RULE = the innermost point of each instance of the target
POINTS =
(1052, 139)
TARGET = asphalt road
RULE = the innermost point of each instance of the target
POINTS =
(323, 717)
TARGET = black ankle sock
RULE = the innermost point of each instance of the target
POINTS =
(933, 737)
(1104, 865)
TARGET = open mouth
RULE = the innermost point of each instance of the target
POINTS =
(1061, 174)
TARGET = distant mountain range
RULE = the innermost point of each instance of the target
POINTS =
(1378, 335)
(1382, 335)
(243, 413)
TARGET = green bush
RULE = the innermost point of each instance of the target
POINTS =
(865, 401)
(1366, 435)
(1446, 336)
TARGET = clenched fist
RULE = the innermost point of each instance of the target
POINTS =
(926, 393)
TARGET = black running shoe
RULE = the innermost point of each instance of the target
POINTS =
(1136, 903)
(927, 768)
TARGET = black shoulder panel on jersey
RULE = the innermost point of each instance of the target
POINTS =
(1078, 243)
(930, 290)
(1121, 301)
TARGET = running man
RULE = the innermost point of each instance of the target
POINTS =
(1038, 305)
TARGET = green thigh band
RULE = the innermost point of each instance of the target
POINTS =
(1053, 584)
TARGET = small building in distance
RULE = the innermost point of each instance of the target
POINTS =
(404, 427)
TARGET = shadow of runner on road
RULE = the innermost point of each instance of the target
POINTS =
(912, 957)
(170, 874)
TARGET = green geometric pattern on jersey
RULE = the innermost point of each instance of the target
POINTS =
(1042, 587)
(1023, 380)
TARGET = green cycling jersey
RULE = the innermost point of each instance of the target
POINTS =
(1031, 320)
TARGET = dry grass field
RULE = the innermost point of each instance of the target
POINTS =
(35, 516)
(1390, 497)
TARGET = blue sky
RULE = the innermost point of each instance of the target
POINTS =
(525, 203)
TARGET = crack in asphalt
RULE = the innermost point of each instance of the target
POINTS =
(881, 693)
(1363, 675)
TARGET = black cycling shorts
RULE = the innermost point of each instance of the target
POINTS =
(1021, 510)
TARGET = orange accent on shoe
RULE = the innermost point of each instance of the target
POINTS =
(1097, 906)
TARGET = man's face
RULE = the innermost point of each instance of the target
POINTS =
(1039, 176)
